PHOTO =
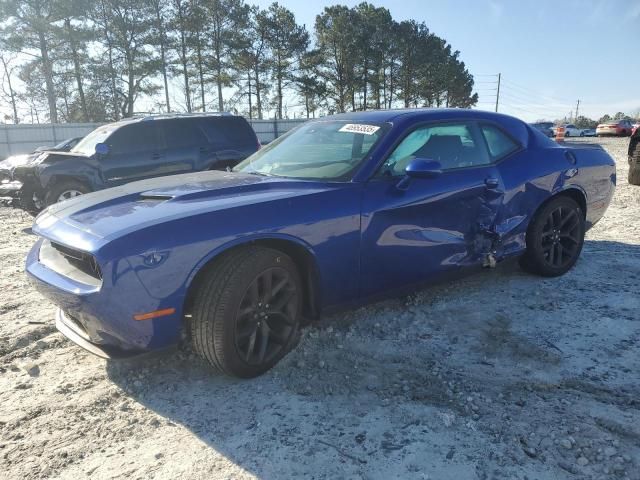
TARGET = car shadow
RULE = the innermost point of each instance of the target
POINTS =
(309, 408)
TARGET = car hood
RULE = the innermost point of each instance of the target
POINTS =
(107, 214)
(18, 160)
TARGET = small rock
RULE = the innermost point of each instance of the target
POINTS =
(582, 461)
(610, 451)
(300, 364)
(566, 443)
(158, 455)
(321, 364)
(31, 368)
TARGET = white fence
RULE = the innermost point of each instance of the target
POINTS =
(24, 138)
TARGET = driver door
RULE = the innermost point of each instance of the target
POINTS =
(416, 231)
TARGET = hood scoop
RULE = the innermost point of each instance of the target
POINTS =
(154, 197)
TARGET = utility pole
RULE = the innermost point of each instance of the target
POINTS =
(498, 92)
(577, 106)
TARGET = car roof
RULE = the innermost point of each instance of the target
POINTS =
(421, 113)
(167, 116)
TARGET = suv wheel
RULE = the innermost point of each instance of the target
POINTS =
(64, 191)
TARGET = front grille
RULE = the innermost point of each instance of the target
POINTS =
(84, 262)
(69, 262)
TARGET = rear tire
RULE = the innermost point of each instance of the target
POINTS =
(64, 190)
(247, 310)
(634, 165)
(554, 238)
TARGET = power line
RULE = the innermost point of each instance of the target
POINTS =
(530, 98)
(498, 91)
(535, 93)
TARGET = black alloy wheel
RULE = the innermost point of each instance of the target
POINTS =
(246, 311)
(554, 238)
(267, 316)
(561, 237)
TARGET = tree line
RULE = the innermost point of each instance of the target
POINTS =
(96, 60)
(585, 122)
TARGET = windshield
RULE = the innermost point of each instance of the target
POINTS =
(87, 146)
(322, 149)
(62, 145)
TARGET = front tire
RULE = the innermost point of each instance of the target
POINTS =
(65, 190)
(554, 238)
(247, 311)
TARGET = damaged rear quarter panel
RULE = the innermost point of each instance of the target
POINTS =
(534, 176)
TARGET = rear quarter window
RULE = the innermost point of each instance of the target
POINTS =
(498, 142)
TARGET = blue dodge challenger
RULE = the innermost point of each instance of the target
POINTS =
(336, 213)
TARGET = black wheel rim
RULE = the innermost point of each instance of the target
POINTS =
(561, 237)
(267, 316)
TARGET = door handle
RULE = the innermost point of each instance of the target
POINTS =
(491, 182)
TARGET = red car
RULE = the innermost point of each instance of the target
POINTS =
(620, 128)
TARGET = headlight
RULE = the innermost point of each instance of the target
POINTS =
(45, 219)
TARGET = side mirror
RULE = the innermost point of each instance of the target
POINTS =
(423, 168)
(102, 149)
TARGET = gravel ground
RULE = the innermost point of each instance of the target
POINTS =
(501, 375)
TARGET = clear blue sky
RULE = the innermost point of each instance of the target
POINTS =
(550, 53)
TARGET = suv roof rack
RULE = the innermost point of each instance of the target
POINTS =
(163, 116)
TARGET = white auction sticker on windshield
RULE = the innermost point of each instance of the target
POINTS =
(360, 128)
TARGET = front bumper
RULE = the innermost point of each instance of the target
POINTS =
(10, 192)
(99, 318)
(73, 330)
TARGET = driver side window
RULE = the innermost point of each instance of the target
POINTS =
(453, 145)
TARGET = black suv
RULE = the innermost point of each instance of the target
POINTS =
(125, 151)
(634, 157)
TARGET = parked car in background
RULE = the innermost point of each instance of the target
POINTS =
(338, 212)
(544, 127)
(588, 132)
(570, 130)
(8, 164)
(620, 128)
(129, 150)
(634, 157)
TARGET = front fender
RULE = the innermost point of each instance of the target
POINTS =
(245, 240)
(83, 171)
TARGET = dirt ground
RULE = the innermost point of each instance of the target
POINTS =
(503, 375)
